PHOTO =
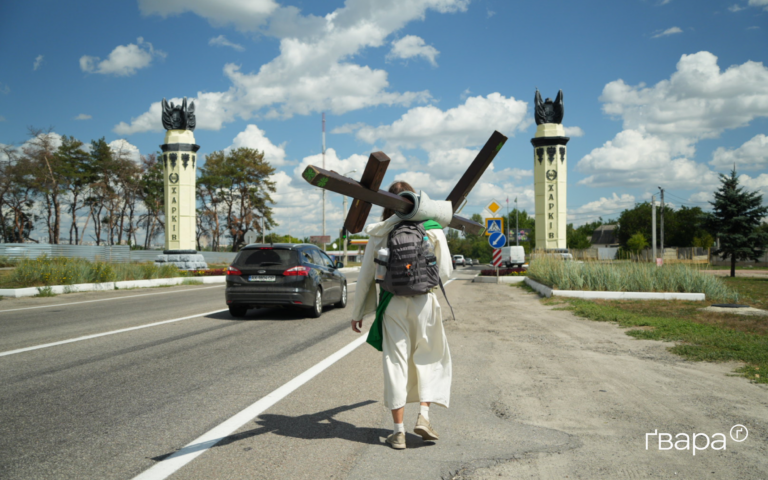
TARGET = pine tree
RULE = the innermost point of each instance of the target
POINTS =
(736, 220)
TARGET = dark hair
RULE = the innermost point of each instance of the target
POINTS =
(396, 188)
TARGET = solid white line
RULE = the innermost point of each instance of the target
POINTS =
(206, 441)
(170, 465)
(113, 298)
(113, 332)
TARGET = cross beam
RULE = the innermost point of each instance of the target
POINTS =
(367, 192)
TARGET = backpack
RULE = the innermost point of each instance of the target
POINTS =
(412, 265)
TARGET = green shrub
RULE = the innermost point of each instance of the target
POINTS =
(627, 277)
(45, 271)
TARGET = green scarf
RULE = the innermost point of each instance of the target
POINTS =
(376, 333)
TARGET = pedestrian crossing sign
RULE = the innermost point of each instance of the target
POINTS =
(494, 225)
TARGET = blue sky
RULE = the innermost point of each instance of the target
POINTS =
(657, 92)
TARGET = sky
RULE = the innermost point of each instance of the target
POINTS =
(657, 93)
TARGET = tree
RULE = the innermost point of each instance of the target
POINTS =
(637, 242)
(736, 220)
(239, 181)
(73, 165)
(17, 217)
(577, 238)
(152, 195)
(45, 174)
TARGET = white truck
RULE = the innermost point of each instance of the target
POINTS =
(513, 256)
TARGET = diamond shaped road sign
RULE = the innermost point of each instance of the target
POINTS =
(493, 207)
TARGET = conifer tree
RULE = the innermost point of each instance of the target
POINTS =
(736, 219)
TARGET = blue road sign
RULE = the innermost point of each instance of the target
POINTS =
(493, 225)
(497, 240)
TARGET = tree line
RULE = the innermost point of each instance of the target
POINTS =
(109, 198)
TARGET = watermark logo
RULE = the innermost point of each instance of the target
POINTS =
(739, 433)
(697, 441)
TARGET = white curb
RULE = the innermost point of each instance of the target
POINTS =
(548, 292)
(90, 287)
(504, 279)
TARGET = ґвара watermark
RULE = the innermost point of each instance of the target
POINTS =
(683, 441)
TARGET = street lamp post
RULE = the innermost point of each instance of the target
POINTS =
(344, 216)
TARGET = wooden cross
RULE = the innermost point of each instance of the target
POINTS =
(366, 192)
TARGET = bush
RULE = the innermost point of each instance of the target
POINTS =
(628, 277)
(208, 272)
(44, 271)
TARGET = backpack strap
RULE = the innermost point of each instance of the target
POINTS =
(446, 296)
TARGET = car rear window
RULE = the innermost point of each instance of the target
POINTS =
(266, 257)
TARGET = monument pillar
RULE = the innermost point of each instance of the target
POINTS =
(179, 159)
(550, 174)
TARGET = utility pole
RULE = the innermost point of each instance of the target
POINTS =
(323, 189)
(662, 223)
(653, 226)
(507, 222)
(517, 226)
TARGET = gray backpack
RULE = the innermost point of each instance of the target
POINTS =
(412, 265)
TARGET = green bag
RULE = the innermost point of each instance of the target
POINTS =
(376, 333)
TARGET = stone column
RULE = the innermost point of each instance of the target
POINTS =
(180, 173)
(550, 176)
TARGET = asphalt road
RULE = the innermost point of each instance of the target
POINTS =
(537, 393)
(105, 407)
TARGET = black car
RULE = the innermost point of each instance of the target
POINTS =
(285, 275)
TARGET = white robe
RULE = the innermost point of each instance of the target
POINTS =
(416, 357)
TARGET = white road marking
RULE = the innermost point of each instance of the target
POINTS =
(113, 298)
(200, 445)
(113, 332)
(170, 465)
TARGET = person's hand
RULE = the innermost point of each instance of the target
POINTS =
(357, 325)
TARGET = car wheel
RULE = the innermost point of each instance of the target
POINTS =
(343, 302)
(317, 307)
(237, 312)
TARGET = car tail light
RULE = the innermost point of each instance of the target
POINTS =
(265, 248)
(297, 272)
(233, 271)
(296, 302)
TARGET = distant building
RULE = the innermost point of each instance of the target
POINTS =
(605, 236)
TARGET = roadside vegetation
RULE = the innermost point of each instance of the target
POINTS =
(46, 271)
(628, 277)
(699, 335)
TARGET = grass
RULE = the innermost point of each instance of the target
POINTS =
(44, 271)
(628, 277)
(45, 292)
(700, 335)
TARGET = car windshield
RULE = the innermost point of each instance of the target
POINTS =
(265, 257)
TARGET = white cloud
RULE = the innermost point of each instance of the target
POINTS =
(759, 3)
(348, 128)
(221, 41)
(243, 14)
(667, 32)
(82, 116)
(735, 8)
(698, 101)
(430, 128)
(123, 148)
(124, 60)
(604, 208)
(664, 2)
(333, 162)
(574, 132)
(489, 13)
(313, 71)
(759, 183)
(5, 89)
(38, 62)
(753, 155)
(2, 119)
(412, 46)
(253, 137)
(636, 159)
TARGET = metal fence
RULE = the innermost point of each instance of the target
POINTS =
(105, 253)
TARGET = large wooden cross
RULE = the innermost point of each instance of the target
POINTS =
(366, 192)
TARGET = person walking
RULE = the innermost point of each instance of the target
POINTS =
(408, 330)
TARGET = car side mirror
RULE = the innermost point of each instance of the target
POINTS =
(339, 265)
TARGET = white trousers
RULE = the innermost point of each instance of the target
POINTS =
(417, 361)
